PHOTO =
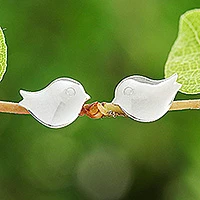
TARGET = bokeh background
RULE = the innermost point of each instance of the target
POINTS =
(97, 43)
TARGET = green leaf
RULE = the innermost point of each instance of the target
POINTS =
(184, 58)
(3, 54)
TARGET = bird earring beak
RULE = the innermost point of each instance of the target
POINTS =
(58, 104)
(88, 97)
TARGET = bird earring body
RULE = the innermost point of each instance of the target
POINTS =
(57, 105)
(144, 99)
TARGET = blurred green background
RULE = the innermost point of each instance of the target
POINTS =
(97, 43)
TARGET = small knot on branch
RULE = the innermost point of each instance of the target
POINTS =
(91, 110)
(98, 110)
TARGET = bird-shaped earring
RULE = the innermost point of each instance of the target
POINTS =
(57, 105)
(146, 100)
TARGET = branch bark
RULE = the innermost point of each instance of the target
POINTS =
(185, 104)
(98, 110)
(10, 107)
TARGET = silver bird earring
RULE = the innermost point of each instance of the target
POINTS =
(140, 98)
(144, 99)
(57, 105)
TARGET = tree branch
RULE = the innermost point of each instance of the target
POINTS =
(10, 107)
(185, 104)
(98, 110)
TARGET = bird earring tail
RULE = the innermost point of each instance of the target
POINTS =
(144, 99)
(58, 104)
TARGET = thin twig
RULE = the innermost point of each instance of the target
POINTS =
(185, 104)
(10, 107)
(98, 110)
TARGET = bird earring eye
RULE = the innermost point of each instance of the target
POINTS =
(51, 106)
(128, 91)
(70, 92)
